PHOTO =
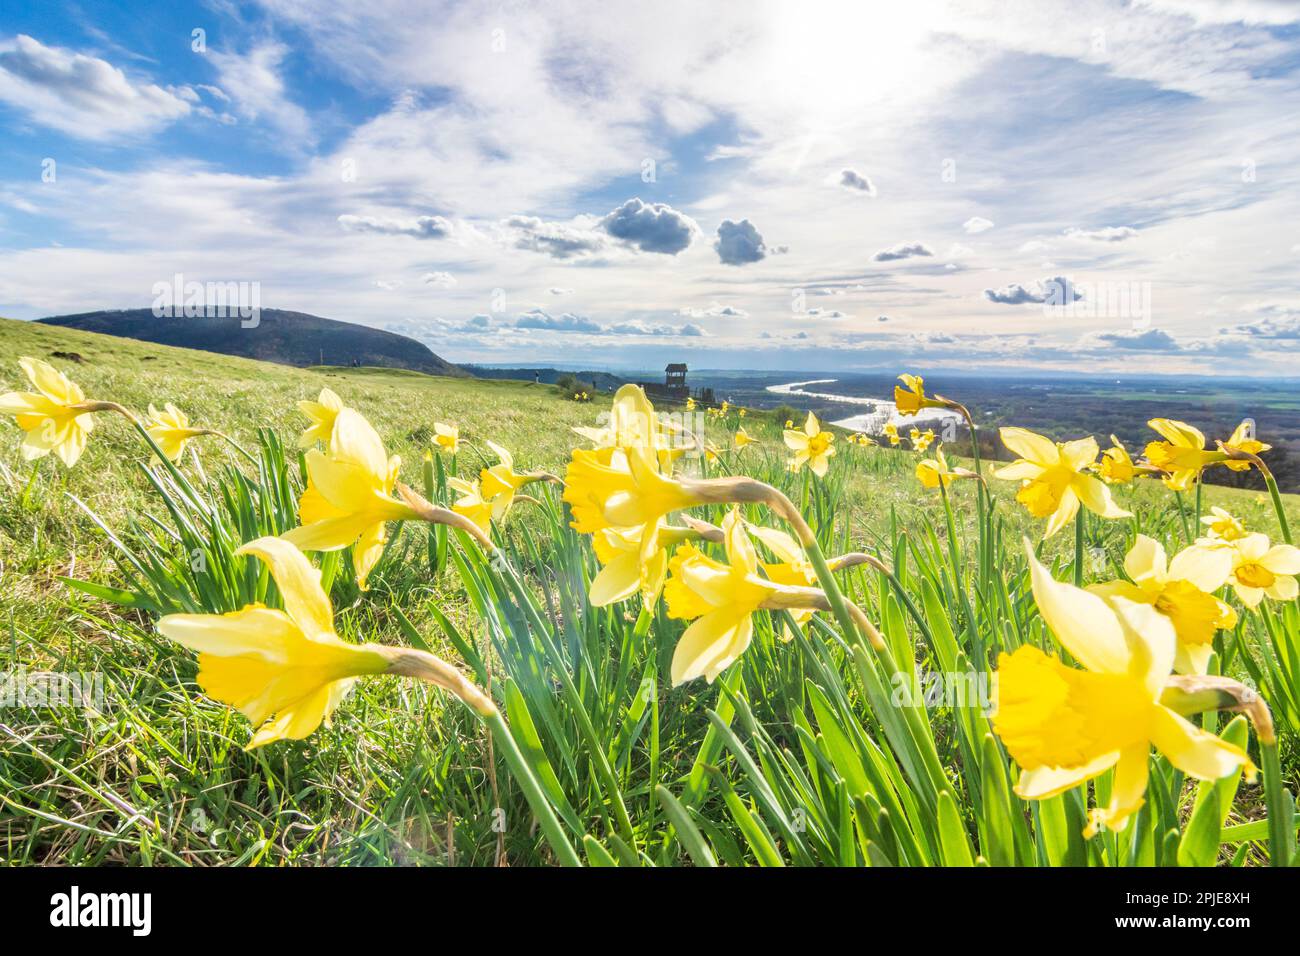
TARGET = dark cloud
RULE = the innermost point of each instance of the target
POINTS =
(651, 227)
(422, 227)
(854, 181)
(904, 250)
(739, 243)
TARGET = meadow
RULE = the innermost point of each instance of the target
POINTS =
(811, 745)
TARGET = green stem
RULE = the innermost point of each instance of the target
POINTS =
(1078, 548)
(523, 774)
(1200, 487)
(1271, 482)
(1281, 812)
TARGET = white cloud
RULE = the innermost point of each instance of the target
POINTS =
(1105, 234)
(977, 224)
(253, 83)
(714, 311)
(82, 95)
(442, 280)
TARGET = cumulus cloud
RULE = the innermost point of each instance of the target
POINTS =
(1056, 290)
(818, 313)
(1105, 234)
(904, 250)
(559, 290)
(422, 227)
(977, 224)
(1136, 340)
(651, 227)
(1275, 323)
(81, 95)
(739, 243)
(854, 181)
(637, 327)
(568, 322)
(443, 280)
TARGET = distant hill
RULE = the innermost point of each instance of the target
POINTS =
(603, 381)
(287, 338)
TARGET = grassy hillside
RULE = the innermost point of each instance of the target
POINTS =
(160, 777)
(287, 338)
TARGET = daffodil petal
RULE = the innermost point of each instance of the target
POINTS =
(1193, 751)
(298, 582)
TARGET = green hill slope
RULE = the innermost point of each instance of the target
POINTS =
(287, 338)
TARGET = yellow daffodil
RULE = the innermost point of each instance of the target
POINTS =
(624, 568)
(349, 495)
(921, 440)
(723, 408)
(891, 432)
(446, 437)
(864, 441)
(322, 413)
(1260, 570)
(501, 481)
(170, 429)
(910, 397)
(1054, 478)
(1222, 525)
(721, 600)
(743, 438)
(1116, 466)
(1064, 725)
(471, 503)
(632, 422)
(1243, 441)
(1182, 455)
(789, 423)
(690, 404)
(811, 447)
(712, 454)
(743, 412)
(51, 416)
(933, 472)
(1181, 590)
(286, 670)
(621, 488)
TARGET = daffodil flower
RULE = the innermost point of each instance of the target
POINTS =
(891, 432)
(621, 488)
(1182, 455)
(921, 440)
(1243, 441)
(1183, 591)
(446, 437)
(500, 482)
(721, 600)
(1260, 570)
(933, 472)
(471, 503)
(632, 422)
(743, 438)
(625, 570)
(1222, 525)
(1054, 478)
(1116, 465)
(349, 495)
(690, 404)
(287, 671)
(170, 429)
(1064, 725)
(322, 413)
(54, 417)
(789, 423)
(811, 447)
(910, 397)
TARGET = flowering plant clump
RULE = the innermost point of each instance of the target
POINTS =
(654, 646)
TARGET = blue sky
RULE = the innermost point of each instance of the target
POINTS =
(1092, 185)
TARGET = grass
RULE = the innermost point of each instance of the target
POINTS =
(403, 777)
